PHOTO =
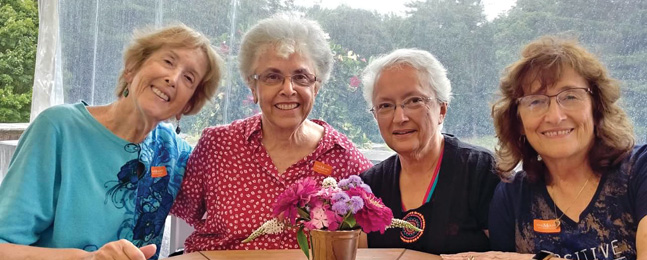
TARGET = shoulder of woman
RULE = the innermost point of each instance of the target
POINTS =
(60, 112)
(380, 170)
(57, 117)
(637, 162)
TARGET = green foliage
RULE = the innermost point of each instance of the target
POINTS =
(303, 242)
(340, 101)
(18, 37)
(14, 108)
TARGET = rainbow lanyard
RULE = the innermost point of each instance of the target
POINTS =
(432, 183)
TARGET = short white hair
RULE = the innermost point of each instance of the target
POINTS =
(288, 33)
(428, 67)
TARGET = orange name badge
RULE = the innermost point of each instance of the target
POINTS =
(322, 168)
(158, 171)
(547, 226)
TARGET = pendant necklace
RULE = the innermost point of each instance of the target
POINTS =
(558, 221)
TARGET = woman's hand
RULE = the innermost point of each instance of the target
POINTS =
(122, 249)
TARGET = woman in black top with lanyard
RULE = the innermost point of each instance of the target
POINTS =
(435, 181)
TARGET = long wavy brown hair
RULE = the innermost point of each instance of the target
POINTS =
(544, 59)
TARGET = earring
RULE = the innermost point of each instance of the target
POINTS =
(126, 92)
(522, 139)
(177, 128)
(539, 158)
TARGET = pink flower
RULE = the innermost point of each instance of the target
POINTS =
(375, 216)
(354, 82)
(318, 219)
(295, 196)
(327, 193)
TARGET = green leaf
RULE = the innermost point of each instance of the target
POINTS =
(349, 222)
(303, 242)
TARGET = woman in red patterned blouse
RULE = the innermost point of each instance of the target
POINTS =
(237, 170)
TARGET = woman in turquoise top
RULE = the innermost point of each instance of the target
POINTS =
(97, 182)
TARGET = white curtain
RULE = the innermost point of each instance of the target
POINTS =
(48, 86)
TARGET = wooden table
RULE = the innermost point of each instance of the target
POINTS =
(362, 254)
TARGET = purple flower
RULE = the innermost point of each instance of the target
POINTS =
(356, 203)
(340, 196)
(341, 207)
(366, 187)
(355, 180)
(350, 182)
(344, 184)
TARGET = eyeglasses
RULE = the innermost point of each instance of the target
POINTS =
(386, 109)
(568, 99)
(274, 79)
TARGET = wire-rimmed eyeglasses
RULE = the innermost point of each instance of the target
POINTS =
(386, 109)
(568, 99)
(274, 79)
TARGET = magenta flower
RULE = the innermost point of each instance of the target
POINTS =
(345, 205)
(295, 196)
(374, 216)
(334, 220)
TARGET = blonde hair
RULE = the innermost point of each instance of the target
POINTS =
(146, 41)
(544, 59)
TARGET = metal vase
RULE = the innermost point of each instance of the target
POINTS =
(334, 245)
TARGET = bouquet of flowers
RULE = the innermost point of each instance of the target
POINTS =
(345, 206)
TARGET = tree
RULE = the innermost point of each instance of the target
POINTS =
(457, 33)
(18, 37)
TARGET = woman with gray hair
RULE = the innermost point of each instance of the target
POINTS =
(237, 170)
(435, 181)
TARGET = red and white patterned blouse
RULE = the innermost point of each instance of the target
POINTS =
(231, 177)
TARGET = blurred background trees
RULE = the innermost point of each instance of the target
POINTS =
(474, 49)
